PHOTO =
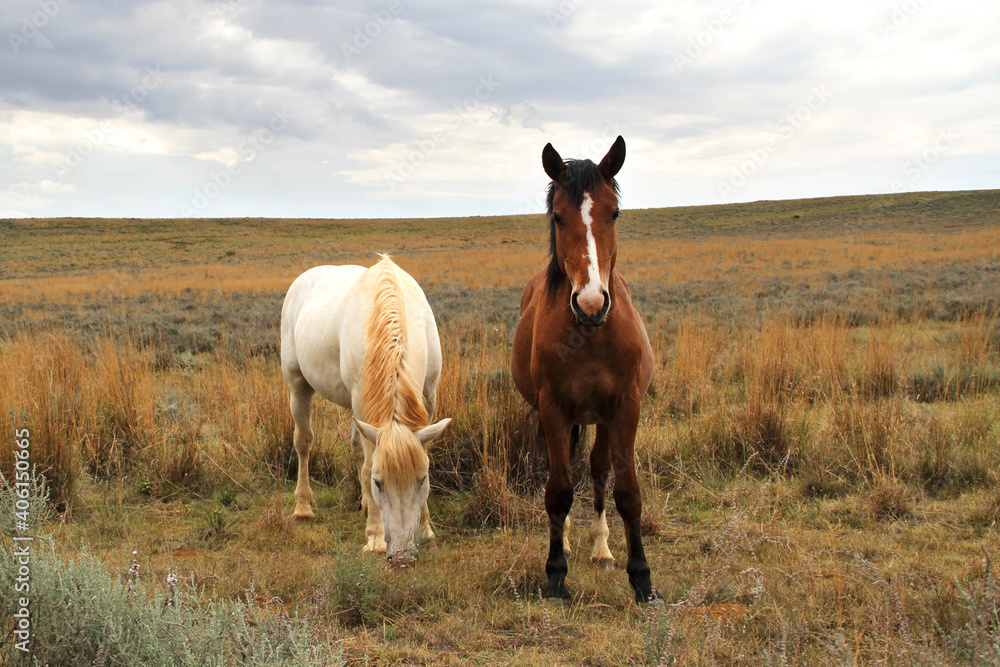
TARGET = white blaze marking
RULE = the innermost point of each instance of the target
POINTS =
(593, 271)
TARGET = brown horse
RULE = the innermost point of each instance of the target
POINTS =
(582, 356)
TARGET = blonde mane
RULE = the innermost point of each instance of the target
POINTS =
(391, 397)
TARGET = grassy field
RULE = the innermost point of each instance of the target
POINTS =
(819, 452)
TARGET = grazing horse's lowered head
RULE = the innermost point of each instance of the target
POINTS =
(399, 482)
(582, 207)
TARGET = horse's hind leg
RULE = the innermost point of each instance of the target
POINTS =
(576, 434)
(301, 404)
(600, 471)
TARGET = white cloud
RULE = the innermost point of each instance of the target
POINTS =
(22, 199)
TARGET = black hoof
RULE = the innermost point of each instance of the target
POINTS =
(642, 586)
(556, 590)
(643, 598)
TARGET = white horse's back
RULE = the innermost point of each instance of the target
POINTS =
(312, 318)
(323, 331)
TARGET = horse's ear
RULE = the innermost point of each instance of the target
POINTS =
(428, 433)
(553, 164)
(367, 430)
(613, 161)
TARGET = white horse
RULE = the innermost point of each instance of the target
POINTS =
(366, 339)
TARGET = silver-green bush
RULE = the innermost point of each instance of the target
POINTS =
(79, 614)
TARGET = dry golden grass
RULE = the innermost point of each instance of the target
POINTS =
(40, 392)
(676, 261)
(776, 393)
(664, 261)
(70, 260)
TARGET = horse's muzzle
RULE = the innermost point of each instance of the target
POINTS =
(403, 559)
(596, 319)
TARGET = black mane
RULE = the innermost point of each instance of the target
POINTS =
(579, 177)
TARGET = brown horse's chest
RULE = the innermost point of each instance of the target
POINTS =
(588, 372)
(589, 400)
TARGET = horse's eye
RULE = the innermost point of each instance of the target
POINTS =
(614, 216)
(422, 481)
(378, 484)
(556, 219)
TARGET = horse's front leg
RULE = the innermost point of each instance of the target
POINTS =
(426, 533)
(558, 493)
(628, 499)
(301, 405)
(374, 530)
(358, 456)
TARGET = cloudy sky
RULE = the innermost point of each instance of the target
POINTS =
(315, 108)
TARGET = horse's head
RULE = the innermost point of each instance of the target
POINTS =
(583, 207)
(399, 482)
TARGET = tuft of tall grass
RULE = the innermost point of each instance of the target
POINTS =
(935, 455)
(688, 376)
(822, 357)
(123, 389)
(860, 438)
(888, 500)
(246, 394)
(761, 433)
(968, 367)
(760, 426)
(43, 389)
(879, 375)
(954, 452)
(177, 459)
